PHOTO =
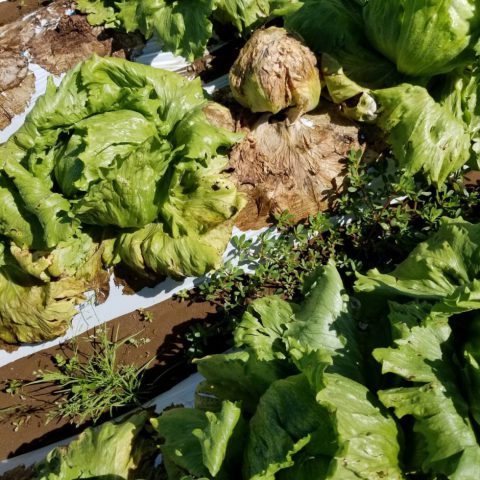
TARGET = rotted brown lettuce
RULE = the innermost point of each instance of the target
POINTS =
(275, 71)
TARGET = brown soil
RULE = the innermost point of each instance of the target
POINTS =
(14, 9)
(14, 101)
(74, 40)
(22, 418)
(61, 42)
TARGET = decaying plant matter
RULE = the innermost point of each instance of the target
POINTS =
(295, 167)
(274, 71)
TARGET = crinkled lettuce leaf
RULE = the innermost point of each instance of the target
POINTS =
(423, 37)
(38, 294)
(423, 357)
(459, 93)
(153, 252)
(445, 269)
(306, 418)
(118, 145)
(424, 136)
(471, 368)
(184, 26)
(119, 451)
(196, 208)
(322, 324)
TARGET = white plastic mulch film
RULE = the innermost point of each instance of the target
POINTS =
(89, 314)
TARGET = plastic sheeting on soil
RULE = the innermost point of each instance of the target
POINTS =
(182, 393)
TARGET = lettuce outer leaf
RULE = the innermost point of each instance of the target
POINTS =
(99, 12)
(280, 429)
(459, 92)
(113, 450)
(366, 435)
(16, 222)
(335, 27)
(306, 418)
(422, 355)
(184, 26)
(445, 268)
(471, 368)
(242, 14)
(322, 325)
(238, 377)
(423, 37)
(424, 136)
(197, 442)
(38, 294)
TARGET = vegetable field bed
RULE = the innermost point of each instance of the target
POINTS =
(160, 339)
(240, 240)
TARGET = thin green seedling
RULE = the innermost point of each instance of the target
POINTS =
(88, 389)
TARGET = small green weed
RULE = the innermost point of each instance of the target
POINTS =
(87, 389)
(381, 213)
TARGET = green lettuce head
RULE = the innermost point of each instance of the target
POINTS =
(117, 151)
(423, 38)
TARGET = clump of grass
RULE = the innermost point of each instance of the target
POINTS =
(88, 388)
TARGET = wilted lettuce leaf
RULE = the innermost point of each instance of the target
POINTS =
(356, 102)
(423, 356)
(41, 310)
(423, 38)
(38, 296)
(445, 268)
(112, 451)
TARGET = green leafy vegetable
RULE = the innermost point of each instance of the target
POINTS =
(423, 356)
(183, 26)
(336, 27)
(424, 136)
(113, 450)
(292, 384)
(117, 145)
(444, 268)
(423, 38)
